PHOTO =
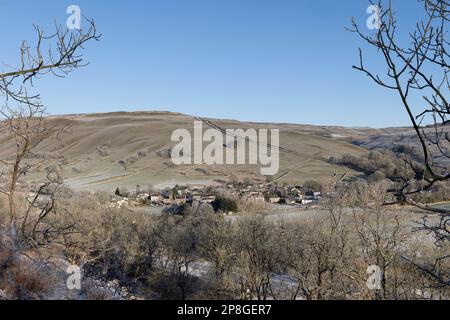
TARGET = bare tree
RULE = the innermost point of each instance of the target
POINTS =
(260, 253)
(418, 72)
(216, 239)
(318, 253)
(23, 114)
(60, 57)
(379, 233)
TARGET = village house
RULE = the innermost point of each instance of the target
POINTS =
(270, 193)
(258, 199)
(143, 198)
(208, 199)
(274, 200)
(291, 201)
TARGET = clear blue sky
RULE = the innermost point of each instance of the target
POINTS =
(258, 60)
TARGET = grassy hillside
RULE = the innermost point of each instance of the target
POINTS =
(95, 143)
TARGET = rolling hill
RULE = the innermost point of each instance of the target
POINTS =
(94, 144)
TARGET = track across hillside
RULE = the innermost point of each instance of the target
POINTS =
(224, 131)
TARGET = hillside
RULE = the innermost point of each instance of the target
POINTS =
(393, 138)
(95, 143)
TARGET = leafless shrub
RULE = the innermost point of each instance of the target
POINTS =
(132, 160)
(180, 246)
(123, 163)
(21, 278)
(103, 151)
(165, 153)
(252, 205)
(142, 154)
(76, 170)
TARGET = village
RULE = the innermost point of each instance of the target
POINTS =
(269, 194)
